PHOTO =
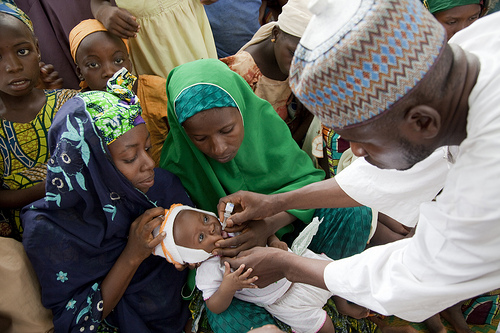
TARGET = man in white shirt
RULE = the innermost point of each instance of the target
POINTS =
(382, 75)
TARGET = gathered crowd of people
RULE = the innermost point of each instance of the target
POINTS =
(249, 166)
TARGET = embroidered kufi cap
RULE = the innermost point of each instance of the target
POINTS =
(359, 57)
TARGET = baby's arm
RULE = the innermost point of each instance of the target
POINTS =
(273, 241)
(231, 282)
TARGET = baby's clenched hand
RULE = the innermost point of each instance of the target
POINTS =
(238, 279)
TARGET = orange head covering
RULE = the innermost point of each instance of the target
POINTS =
(82, 30)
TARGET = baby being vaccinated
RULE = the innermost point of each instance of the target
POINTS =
(191, 235)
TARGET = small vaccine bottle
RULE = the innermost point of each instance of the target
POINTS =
(227, 212)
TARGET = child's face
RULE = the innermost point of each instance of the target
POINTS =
(197, 230)
(19, 57)
(99, 56)
(284, 49)
(217, 132)
(130, 155)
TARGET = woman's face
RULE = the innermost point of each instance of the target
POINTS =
(130, 155)
(458, 18)
(217, 132)
(99, 56)
(19, 57)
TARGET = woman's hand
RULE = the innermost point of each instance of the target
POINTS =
(181, 267)
(118, 21)
(140, 245)
(141, 242)
(253, 233)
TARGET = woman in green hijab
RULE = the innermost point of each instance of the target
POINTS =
(222, 139)
(456, 15)
(240, 145)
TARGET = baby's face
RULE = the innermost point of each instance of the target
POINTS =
(197, 230)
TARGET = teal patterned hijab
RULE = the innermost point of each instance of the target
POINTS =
(10, 8)
(200, 97)
(117, 110)
(435, 6)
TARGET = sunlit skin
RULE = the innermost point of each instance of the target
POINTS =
(388, 150)
(130, 155)
(197, 230)
(458, 18)
(99, 56)
(19, 58)
(217, 132)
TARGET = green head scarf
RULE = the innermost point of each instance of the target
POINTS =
(268, 160)
(439, 5)
(117, 110)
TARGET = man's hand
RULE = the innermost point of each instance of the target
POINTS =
(272, 264)
(247, 206)
(266, 263)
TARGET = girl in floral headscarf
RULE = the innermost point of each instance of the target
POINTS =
(90, 239)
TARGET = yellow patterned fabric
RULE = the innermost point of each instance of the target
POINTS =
(24, 153)
(172, 33)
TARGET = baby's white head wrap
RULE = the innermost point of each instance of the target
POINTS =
(171, 251)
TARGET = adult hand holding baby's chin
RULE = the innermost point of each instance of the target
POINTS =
(249, 235)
